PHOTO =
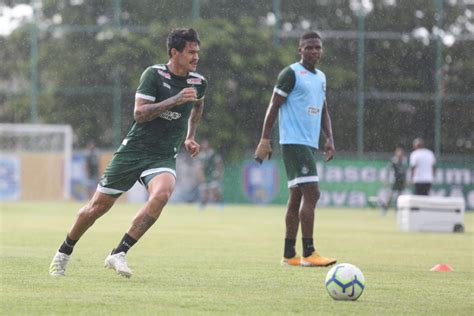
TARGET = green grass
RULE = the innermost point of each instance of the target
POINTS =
(227, 262)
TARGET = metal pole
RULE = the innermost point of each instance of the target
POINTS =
(276, 28)
(117, 97)
(195, 9)
(34, 67)
(276, 42)
(360, 84)
(67, 162)
(438, 79)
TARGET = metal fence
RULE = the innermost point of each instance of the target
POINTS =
(366, 100)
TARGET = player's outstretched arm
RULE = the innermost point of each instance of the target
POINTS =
(264, 149)
(145, 110)
(194, 118)
(329, 149)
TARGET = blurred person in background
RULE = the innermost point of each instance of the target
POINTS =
(423, 164)
(299, 99)
(398, 165)
(169, 102)
(92, 167)
(211, 175)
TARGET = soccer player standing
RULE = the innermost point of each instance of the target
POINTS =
(168, 107)
(211, 174)
(399, 165)
(423, 166)
(299, 99)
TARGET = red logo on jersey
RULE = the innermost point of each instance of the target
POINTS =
(303, 72)
(164, 74)
(194, 81)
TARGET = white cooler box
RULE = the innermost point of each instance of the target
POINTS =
(430, 213)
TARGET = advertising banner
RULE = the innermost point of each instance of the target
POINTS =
(10, 175)
(343, 182)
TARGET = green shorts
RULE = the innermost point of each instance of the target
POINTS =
(300, 164)
(126, 168)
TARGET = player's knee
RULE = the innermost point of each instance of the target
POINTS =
(94, 210)
(87, 214)
(317, 195)
(161, 197)
(311, 194)
(293, 206)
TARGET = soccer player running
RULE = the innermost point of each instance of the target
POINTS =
(299, 98)
(168, 107)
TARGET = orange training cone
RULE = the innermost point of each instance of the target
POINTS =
(442, 268)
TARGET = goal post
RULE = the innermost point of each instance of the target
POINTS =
(43, 153)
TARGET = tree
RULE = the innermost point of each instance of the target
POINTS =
(87, 48)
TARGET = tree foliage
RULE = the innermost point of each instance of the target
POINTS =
(85, 46)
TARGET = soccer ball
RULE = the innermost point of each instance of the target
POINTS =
(345, 282)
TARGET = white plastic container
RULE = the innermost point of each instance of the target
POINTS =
(430, 213)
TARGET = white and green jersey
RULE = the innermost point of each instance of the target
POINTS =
(300, 114)
(164, 135)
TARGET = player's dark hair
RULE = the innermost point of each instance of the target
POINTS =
(177, 39)
(308, 35)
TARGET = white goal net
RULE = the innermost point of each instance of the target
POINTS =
(35, 161)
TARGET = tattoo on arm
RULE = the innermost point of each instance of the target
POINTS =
(149, 111)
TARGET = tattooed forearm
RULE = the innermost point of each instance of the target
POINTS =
(145, 112)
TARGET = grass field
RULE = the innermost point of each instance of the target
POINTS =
(227, 262)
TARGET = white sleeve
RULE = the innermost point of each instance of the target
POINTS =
(412, 160)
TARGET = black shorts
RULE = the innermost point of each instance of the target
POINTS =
(398, 185)
(422, 188)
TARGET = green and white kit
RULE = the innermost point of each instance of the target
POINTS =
(151, 147)
(300, 164)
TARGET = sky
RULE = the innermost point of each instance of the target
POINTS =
(12, 17)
